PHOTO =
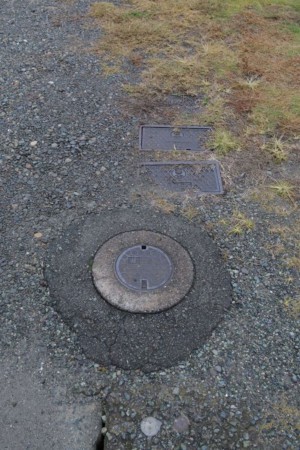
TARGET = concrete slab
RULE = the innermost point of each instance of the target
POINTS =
(34, 416)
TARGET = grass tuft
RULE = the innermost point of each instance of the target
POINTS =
(284, 189)
(224, 142)
(276, 148)
(293, 262)
(163, 205)
(241, 223)
(251, 82)
(292, 305)
(283, 416)
(238, 224)
(190, 212)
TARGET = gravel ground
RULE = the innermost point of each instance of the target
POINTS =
(68, 150)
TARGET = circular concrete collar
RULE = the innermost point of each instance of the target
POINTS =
(142, 271)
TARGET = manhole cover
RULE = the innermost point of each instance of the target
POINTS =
(143, 267)
(142, 271)
(165, 137)
(179, 176)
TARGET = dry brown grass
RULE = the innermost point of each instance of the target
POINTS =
(238, 224)
(278, 196)
(283, 416)
(293, 262)
(238, 63)
(242, 55)
(275, 249)
(190, 212)
(162, 204)
(292, 305)
(284, 189)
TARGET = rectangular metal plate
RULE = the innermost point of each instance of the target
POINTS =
(165, 137)
(179, 176)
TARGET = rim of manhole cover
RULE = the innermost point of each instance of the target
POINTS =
(142, 271)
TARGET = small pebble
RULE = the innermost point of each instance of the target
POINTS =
(150, 426)
(181, 424)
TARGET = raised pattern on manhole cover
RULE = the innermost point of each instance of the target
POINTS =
(165, 137)
(143, 267)
(142, 271)
(179, 176)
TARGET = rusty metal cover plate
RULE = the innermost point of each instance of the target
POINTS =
(143, 267)
(165, 137)
(179, 176)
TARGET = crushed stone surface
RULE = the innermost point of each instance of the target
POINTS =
(67, 149)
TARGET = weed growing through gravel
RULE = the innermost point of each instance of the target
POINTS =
(238, 224)
(282, 416)
(224, 142)
(281, 230)
(190, 212)
(283, 189)
(293, 262)
(292, 306)
(162, 204)
(276, 148)
(285, 235)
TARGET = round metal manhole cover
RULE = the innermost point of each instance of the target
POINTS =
(142, 271)
(143, 267)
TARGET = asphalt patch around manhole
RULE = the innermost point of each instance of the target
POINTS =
(112, 336)
(166, 137)
(179, 176)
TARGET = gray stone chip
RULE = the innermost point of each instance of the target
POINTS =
(150, 426)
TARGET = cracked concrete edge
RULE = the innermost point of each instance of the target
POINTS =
(37, 413)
